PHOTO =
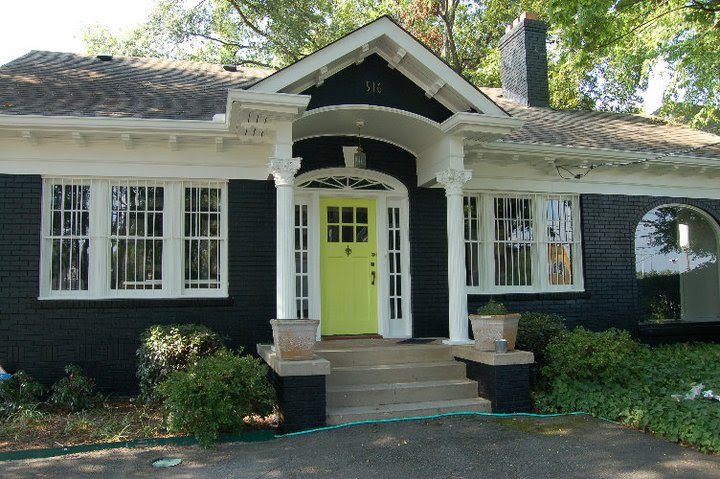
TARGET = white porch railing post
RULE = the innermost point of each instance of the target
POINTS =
(453, 180)
(284, 170)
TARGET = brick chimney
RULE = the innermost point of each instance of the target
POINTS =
(523, 61)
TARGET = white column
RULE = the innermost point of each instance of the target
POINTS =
(453, 180)
(284, 170)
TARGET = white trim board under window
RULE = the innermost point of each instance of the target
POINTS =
(133, 238)
(522, 243)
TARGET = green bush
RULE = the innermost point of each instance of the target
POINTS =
(20, 391)
(492, 308)
(168, 348)
(582, 355)
(643, 388)
(216, 394)
(535, 330)
(75, 391)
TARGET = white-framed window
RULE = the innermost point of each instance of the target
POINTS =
(302, 263)
(522, 242)
(131, 237)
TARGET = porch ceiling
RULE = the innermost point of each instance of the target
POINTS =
(411, 132)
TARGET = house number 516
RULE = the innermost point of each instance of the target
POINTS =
(374, 87)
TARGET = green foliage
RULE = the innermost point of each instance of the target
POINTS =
(585, 355)
(216, 394)
(601, 51)
(492, 308)
(535, 330)
(75, 391)
(168, 348)
(638, 389)
(21, 391)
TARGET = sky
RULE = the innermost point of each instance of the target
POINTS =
(57, 25)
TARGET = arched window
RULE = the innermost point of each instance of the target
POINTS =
(676, 254)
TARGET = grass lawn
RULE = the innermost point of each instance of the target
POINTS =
(641, 387)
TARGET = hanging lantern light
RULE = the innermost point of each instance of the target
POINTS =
(360, 157)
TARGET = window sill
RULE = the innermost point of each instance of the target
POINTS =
(529, 296)
(93, 303)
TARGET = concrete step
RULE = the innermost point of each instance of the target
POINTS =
(342, 415)
(396, 373)
(368, 356)
(396, 393)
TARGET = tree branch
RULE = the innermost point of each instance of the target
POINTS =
(219, 40)
(236, 5)
(254, 62)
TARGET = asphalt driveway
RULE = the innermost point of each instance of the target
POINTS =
(452, 447)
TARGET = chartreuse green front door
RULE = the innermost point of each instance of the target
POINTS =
(348, 273)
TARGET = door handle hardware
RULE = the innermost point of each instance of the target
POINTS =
(372, 275)
(348, 251)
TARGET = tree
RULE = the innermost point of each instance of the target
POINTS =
(275, 33)
(605, 50)
(601, 51)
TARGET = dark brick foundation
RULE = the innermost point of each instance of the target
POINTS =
(301, 401)
(507, 387)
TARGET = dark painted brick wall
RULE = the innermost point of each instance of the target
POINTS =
(301, 400)
(428, 234)
(506, 387)
(102, 336)
(610, 298)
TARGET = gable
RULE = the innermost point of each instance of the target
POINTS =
(373, 82)
(390, 42)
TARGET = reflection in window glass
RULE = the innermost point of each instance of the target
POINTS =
(676, 249)
(69, 235)
(203, 238)
(136, 236)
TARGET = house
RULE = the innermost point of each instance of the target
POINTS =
(368, 185)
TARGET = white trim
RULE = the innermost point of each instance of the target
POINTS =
(99, 253)
(398, 188)
(382, 34)
(583, 153)
(396, 197)
(486, 240)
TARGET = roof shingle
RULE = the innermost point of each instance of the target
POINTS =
(66, 84)
(605, 130)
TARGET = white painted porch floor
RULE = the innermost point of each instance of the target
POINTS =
(386, 378)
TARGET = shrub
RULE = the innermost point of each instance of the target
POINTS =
(652, 395)
(20, 391)
(491, 308)
(75, 391)
(583, 355)
(535, 330)
(168, 348)
(216, 394)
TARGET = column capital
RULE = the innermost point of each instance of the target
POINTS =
(453, 180)
(284, 170)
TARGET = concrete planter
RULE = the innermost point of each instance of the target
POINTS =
(487, 329)
(294, 339)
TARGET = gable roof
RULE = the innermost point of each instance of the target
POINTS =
(66, 84)
(604, 130)
(401, 50)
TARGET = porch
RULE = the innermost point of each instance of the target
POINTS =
(366, 379)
